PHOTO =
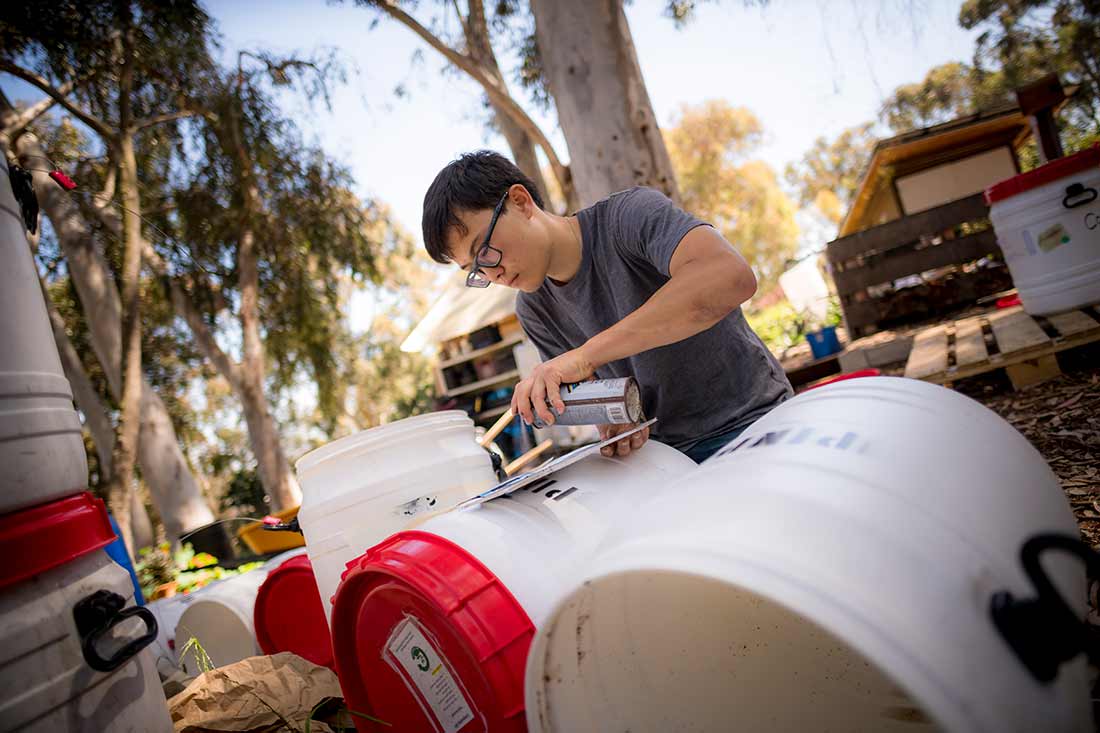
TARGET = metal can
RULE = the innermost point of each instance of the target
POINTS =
(599, 402)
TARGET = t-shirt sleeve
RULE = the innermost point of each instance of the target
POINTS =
(648, 226)
(534, 325)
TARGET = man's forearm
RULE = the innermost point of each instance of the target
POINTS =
(700, 295)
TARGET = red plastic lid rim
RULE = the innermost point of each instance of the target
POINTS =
(1044, 174)
(487, 632)
(289, 618)
(46, 536)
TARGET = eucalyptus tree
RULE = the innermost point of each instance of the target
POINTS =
(272, 233)
(120, 69)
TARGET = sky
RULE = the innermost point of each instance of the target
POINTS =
(806, 68)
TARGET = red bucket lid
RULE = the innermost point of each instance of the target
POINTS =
(427, 638)
(1044, 174)
(289, 615)
(43, 537)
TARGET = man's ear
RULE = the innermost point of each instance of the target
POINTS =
(520, 198)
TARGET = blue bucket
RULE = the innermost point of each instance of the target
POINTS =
(117, 552)
(823, 342)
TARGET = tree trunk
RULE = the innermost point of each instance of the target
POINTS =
(120, 484)
(163, 465)
(592, 70)
(275, 474)
(278, 481)
(498, 94)
(96, 418)
(480, 48)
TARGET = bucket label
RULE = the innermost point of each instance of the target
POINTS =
(1053, 237)
(428, 671)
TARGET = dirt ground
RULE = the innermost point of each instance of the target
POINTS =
(1062, 419)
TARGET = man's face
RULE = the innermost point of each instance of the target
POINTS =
(523, 257)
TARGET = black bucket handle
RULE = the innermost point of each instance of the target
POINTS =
(97, 614)
(1044, 631)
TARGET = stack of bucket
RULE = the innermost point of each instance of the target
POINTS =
(835, 567)
(73, 645)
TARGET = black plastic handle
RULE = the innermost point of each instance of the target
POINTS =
(100, 612)
(1076, 190)
(1044, 631)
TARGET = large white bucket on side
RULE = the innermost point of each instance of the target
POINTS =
(833, 571)
(49, 683)
(358, 490)
(1049, 232)
(220, 617)
(467, 589)
(41, 446)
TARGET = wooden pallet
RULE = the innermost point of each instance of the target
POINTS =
(1006, 339)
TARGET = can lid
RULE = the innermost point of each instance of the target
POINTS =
(1043, 175)
(418, 602)
(45, 536)
(289, 615)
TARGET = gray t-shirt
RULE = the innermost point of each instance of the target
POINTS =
(716, 381)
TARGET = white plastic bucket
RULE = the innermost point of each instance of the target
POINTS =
(468, 588)
(833, 571)
(539, 538)
(1051, 237)
(220, 617)
(46, 685)
(169, 611)
(358, 490)
(41, 446)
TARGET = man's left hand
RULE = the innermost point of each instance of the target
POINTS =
(531, 395)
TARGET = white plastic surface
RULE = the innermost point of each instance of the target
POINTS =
(45, 684)
(168, 611)
(41, 447)
(1051, 275)
(539, 538)
(220, 617)
(834, 571)
(358, 490)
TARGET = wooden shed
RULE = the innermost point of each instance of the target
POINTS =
(916, 241)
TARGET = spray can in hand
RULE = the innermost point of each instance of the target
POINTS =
(599, 402)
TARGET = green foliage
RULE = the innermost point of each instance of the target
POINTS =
(69, 40)
(202, 659)
(829, 173)
(948, 91)
(245, 493)
(708, 145)
(1021, 41)
(779, 326)
(158, 565)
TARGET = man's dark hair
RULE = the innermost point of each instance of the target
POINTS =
(474, 182)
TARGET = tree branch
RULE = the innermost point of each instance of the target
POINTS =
(59, 96)
(183, 305)
(495, 90)
(167, 117)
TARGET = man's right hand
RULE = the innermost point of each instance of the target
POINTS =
(626, 445)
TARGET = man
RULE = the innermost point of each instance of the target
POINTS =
(631, 286)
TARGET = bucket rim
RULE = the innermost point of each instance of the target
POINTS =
(394, 430)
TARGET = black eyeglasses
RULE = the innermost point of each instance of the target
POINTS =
(487, 255)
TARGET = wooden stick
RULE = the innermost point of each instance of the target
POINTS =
(527, 457)
(493, 432)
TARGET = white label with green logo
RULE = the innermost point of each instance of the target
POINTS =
(430, 674)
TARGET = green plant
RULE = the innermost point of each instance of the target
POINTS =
(159, 565)
(202, 659)
(778, 326)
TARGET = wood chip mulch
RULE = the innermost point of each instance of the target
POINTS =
(1061, 418)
